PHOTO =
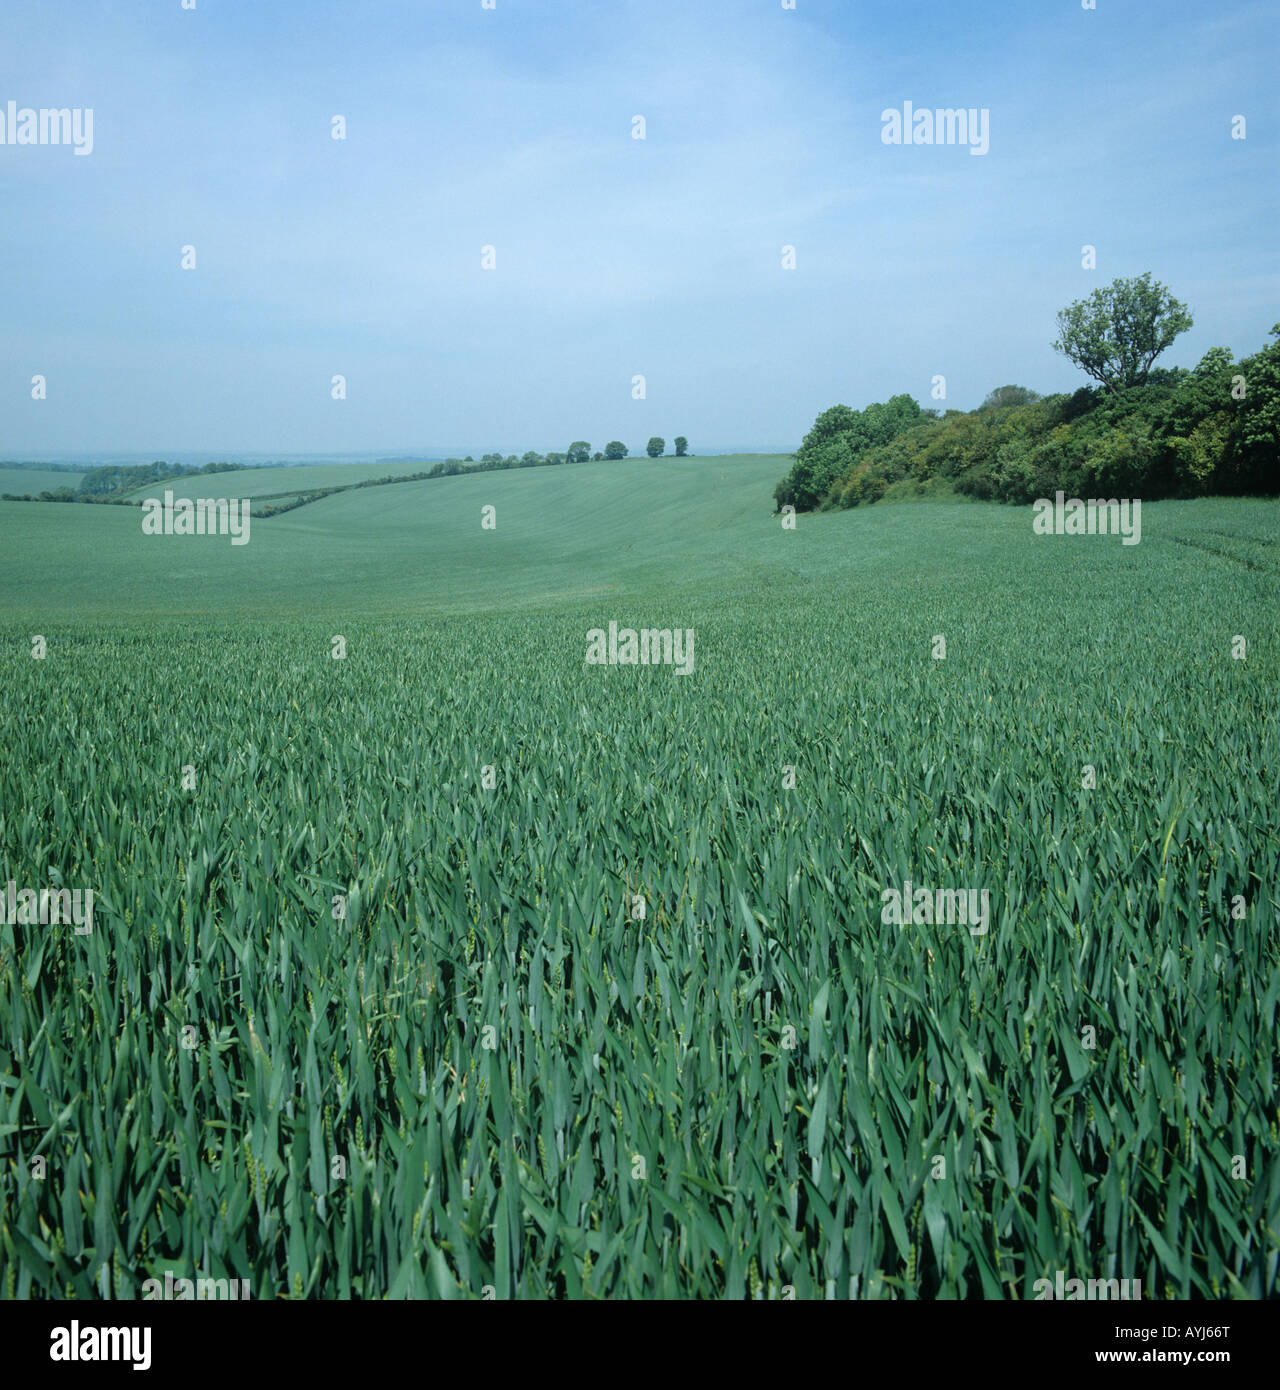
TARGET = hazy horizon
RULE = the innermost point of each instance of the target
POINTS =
(253, 459)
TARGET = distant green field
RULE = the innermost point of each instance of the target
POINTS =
(414, 547)
(611, 1006)
(259, 482)
(36, 480)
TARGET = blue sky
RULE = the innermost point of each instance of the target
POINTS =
(614, 256)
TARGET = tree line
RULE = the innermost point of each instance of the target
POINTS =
(1140, 430)
(113, 481)
(577, 452)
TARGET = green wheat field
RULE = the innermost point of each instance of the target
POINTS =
(455, 967)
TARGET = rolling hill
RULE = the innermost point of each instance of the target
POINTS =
(695, 531)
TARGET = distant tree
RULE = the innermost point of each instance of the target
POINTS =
(555, 458)
(597, 456)
(511, 461)
(615, 449)
(655, 447)
(682, 444)
(491, 460)
(531, 460)
(579, 451)
(468, 459)
(99, 481)
(112, 479)
(1118, 332)
(1004, 396)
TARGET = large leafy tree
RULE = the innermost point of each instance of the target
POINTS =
(655, 446)
(682, 446)
(1118, 332)
(579, 451)
(615, 449)
(829, 424)
(816, 468)
(839, 437)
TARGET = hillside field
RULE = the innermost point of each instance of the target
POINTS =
(272, 482)
(21, 481)
(455, 964)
